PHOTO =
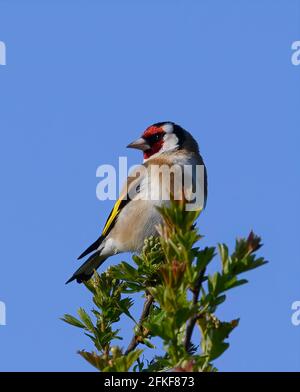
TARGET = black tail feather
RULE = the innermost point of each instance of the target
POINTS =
(86, 270)
(91, 248)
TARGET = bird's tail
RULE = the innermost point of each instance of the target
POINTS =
(87, 269)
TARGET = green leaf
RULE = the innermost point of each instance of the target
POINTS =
(124, 306)
(204, 257)
(234, 282)
(215, 283)
(220, 300)
(94, 359)
(132, 357)
(72, 320)
(85, 318)
(223, 250)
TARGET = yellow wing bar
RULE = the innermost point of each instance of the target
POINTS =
(113, 215)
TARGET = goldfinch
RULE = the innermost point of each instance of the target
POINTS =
(135, 216)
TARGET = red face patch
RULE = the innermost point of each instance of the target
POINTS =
(154, 149)
(154, 136)
(152, 131)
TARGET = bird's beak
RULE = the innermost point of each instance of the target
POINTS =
(139, 144)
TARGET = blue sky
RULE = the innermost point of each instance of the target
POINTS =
(82, 80)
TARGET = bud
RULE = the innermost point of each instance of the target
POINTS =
(173, 273)
(253, 242)
(116, 352)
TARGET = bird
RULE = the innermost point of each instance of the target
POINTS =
(135, 216)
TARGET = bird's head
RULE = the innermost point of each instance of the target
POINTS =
(162, 137)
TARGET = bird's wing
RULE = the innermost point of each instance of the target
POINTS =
(132, 182)
(119, 205)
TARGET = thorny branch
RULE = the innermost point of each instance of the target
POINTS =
(192, 321)
(146, 310)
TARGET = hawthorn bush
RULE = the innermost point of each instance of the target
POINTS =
(180, 296)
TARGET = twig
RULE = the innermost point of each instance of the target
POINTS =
(192, 321)
(146, 310)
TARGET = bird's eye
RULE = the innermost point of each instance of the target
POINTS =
(155, 138)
